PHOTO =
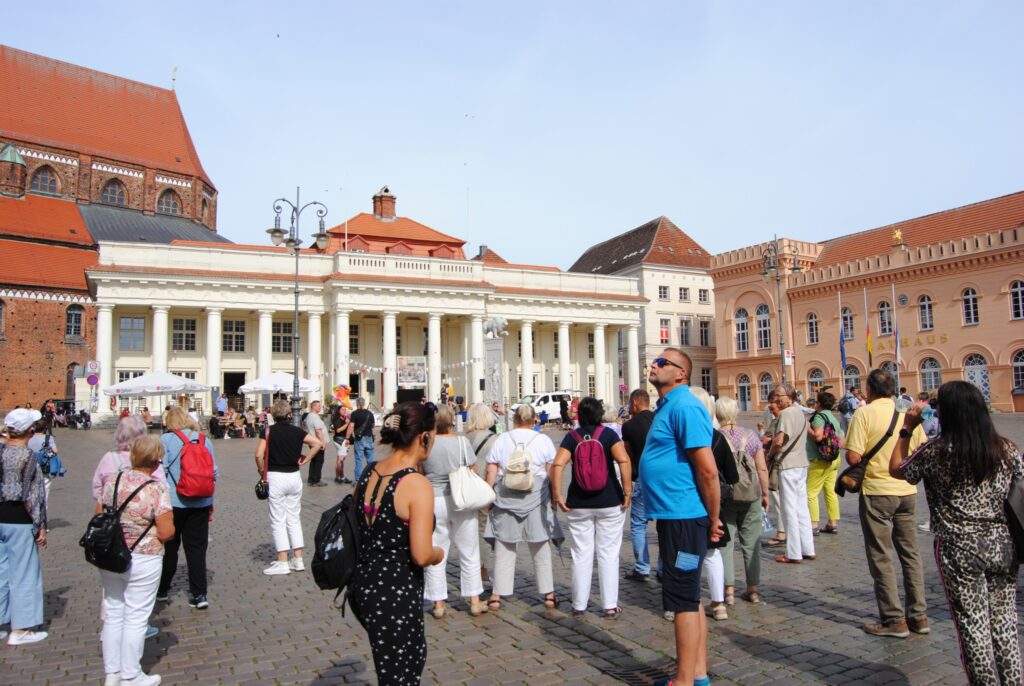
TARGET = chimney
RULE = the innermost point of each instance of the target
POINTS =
(483, 251)
(384, 205)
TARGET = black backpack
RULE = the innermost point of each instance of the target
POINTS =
(336, 548)
(104, 541)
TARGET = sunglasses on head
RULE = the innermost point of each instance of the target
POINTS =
(662, 361)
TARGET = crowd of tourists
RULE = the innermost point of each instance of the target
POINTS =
(709, 485)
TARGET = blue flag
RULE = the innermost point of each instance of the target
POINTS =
(842, 348)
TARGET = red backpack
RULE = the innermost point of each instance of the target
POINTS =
(196, 479)
(589, 463)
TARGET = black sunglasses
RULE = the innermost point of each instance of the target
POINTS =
(662, 361)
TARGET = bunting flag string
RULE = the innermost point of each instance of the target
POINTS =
(366, 368)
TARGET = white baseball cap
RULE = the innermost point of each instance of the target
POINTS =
(22, 419)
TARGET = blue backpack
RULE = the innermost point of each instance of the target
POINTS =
(49, 461)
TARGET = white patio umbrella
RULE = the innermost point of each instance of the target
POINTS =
(155, 383)
(278, 382)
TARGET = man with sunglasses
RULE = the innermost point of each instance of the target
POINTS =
(681, 492)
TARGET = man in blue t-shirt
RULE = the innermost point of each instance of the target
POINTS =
(681, 492)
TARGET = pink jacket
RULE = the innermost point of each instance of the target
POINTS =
(110, 464)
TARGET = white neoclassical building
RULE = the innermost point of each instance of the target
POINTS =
(223, 314)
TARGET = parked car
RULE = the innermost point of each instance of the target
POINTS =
(547, 402)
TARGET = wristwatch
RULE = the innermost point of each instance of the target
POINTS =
(904, 433)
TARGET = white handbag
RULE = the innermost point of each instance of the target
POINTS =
(469, 491)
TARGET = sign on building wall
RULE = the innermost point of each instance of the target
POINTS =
(412, 371)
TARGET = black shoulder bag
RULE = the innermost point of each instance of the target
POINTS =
(104, 541)
(852, 478)
(263, 486)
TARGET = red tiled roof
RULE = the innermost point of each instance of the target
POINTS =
(53, 103)
(37, 216)
(398, 229)
(988, 215)
(45, 266)
(490, 257)
(659, 241)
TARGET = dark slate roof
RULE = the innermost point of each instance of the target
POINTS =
(115, 224)
(659, 241)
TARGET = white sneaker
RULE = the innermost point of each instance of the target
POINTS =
(18, 638)
(277, 567)
(142, 680)
(112, 680)
(296, 564)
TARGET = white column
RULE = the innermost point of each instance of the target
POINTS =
(105, 349)
(263, 356)
(389, 394)
(341, 350)
(476, 342)
(600, 377)
(160, 337)
(314, 343)
(633, 357)
(214, 344)
(563, 356)
(434, 357)
(526, 360)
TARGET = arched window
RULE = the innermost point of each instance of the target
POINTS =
(884, 318)
(205, 210)
(44, 180)
(847, 324)
(925, 321)
(764, 386)
(851, 376)
(976, 372)
(1018, 369)
(931, 374)
(812, 329)
(763, 320)
(815, 380)
(742, 342)
(74, 371)
(743, 392)
(169, 203)
(114, 193)
(73, 321)
(970, 305)
(890, 366)
(1017, 299)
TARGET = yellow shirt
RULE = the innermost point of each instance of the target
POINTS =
(866, 429)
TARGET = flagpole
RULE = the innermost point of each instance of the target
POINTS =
(896, 334)
(867, 324)
(842, 343)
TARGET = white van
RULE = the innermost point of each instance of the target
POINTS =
(547, 402)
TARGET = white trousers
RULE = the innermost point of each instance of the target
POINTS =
(599, 528)
(505, 567)
(285, 508)
(462, 529)
(793, 497)
(128, 600)
(714, 575)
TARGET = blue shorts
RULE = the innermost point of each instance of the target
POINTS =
(683, 544)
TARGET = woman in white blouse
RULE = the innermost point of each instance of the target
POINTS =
(522, 516)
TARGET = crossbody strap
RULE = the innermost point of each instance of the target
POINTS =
(119, 510)
(878, 446)
(780, 458)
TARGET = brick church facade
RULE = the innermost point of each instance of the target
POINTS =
(84, 157)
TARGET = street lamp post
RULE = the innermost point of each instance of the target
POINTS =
(292, 241)
(773, 264)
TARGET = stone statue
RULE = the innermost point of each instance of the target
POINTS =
(496, 327)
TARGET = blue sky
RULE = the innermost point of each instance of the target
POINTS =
(540, 128)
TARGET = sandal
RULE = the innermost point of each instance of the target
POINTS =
(718, 612)
(782, 559)
(478, 608)
(751, 597)
(438, 611)
(730, 598)
(613, 613)
(550, 601)
(829, 529)
(775, 542)
(494, 602)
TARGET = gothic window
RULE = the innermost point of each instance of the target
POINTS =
(884, 318)
(764, 327)
(931, 374)
(851, 376)
(847, 316)
(44, 180)
(812, 329)
(114, 193)
(970, 306)
(815, 379)
(168, 203)
(764, 385)
(1017, 299)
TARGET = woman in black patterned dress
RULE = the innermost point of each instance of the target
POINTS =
(395, 546)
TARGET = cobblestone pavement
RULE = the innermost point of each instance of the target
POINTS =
(283, 630)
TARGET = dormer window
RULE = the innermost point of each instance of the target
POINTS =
(168, 203)
(114, 193)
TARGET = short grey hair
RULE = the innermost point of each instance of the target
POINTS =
(128, 429)
(281, 410)
(525, 415)
(786, 389)
(479, 418)
(726, 409)
(361, 403)
(705, 399)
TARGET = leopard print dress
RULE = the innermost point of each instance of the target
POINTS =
(976, 558)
